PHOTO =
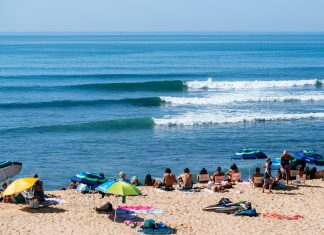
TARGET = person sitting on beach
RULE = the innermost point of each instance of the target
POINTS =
(267, 175)
(300, 172)
(149, 181)
(169, 180)
(134, 181)
(233, 170)
(122, 177)
(257, 174)
(218, 174)
(285, 165)
(5, 198)
(203, 176)
(73, 185)
(185, 180)
(39, 189)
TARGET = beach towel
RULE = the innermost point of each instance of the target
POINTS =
(160, 228)
(122, 216)
(192, 190)
(282, 217)
(130, 222)
(139, 210)
(53, 201)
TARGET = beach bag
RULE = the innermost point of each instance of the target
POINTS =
(33, 203)
(149, 223)
(251, 212)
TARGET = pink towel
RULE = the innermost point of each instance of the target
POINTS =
(135, 208)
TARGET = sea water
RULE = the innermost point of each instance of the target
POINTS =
(143, 102)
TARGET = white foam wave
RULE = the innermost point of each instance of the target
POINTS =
(194, 119)
(242, 98)
(240, 85)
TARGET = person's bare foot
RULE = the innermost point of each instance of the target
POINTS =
(262, 191)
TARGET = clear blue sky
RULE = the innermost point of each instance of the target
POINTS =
(161, 15)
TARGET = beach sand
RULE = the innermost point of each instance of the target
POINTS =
(182, 211)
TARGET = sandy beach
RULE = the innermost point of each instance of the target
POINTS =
(182, 211)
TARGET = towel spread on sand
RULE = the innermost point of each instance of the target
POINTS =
(122, 216)
(129, 222)
(160, 228)
(282, 217)
(137, 210)
(54, 201)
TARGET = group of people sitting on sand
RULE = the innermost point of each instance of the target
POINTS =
(36, 192)
(220, 181)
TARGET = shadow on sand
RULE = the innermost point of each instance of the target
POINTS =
(44, 210)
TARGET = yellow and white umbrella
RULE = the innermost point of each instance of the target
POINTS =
(20, 185)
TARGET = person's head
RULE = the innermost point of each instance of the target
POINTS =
(134, 179)
(186, 170)
(257, 170)
(285, 152)
(234, 167)
(102, 175)
(122, 175)
(314, 169)
(148, 178)
(4, 185)
(268, 159)
(168, 171)
(219, 169)
(279, 171)
(301, 168)
(203, 171)
(35, 176)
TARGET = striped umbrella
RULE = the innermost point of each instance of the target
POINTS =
(88, 178)
(249, 154)
(310, 157)
(9, 169)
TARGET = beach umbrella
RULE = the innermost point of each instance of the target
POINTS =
(121, 188)
(249, 154)
(88, 178)
(9, 169)
(310, 157)
(20, 185)
(104, 187)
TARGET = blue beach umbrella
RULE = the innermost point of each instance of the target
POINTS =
(249, 154)
(9, 169)
(88, 178)
(105, 186)
(310, 157)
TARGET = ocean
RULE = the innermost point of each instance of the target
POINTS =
(142, 102)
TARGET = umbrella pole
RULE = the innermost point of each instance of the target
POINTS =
(116, 209)
(249, 170)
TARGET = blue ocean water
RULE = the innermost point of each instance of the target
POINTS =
(143, 102)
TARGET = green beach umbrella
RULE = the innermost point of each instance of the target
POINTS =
(121, 188)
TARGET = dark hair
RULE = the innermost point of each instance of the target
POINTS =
(35, 176)
(148, 180)
(234, 167)
(219, 169)
(257, 169)
(186, 170)
(168, 170)
(203, 171)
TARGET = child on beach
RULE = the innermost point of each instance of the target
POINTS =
(267, 175)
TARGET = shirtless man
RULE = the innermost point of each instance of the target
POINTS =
(285, 165)
(169, 179)
(186, 179)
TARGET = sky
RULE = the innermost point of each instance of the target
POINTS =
(161, 16)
